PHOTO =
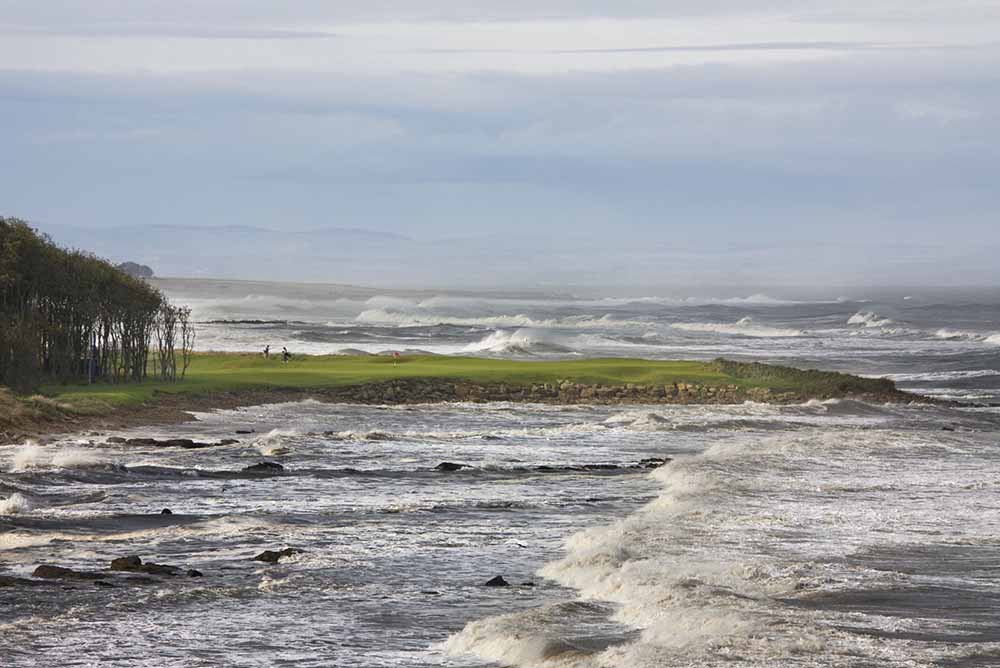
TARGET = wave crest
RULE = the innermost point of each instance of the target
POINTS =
(742, 327)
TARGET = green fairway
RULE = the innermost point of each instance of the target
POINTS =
(224, 372)
(221, 372)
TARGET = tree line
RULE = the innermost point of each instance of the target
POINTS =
(68, 316)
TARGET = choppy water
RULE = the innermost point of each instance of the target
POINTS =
(833, 533)
(941, 342)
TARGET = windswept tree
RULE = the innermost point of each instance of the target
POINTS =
(68, 316)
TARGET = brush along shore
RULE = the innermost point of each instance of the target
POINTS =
(230, 380)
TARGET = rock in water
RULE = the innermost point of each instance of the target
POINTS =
(265, 467)
(185, 443)
(274, 556)
(498, 581)
(450, 466)
(166, 511)
(132, 564)
(48, 572)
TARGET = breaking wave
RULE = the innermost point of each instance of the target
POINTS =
(743, 327)
(14, 504)
(275, 442)
(33, 456)
(868, 319)
(942, 375)
(960, 335)
(524, 341)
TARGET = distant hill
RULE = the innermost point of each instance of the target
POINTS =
(136, 270)
(237, 250)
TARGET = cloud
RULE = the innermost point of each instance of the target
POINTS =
(789, 129)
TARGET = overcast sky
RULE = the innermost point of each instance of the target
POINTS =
(870, 126)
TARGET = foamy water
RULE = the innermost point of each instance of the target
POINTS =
(801, 535)
(834, 533)
(899, 335)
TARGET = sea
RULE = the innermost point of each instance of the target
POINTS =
(831, 533)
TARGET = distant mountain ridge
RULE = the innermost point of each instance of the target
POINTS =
(232, 250)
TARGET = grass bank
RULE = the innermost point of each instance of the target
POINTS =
(227, 380)
(212, 373)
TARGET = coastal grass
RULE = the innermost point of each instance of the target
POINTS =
(232, 372)
(212, 373)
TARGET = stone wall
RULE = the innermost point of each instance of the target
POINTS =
(412, 391)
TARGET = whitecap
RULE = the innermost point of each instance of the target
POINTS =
(15, 504)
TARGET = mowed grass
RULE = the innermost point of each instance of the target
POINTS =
(233, 372)
(224, 372)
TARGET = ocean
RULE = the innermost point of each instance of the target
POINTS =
(831, 533)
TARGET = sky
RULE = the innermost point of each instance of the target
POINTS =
(794, 140)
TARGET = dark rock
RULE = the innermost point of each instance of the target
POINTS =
(527, 584)
(946, 428)
(265, 467)
(134, 564)
(185, 443)
(498, 581)
(160, 569)
(11, 581)
(166, 511)
(653, 462)
(450, 466)
(192, 573)
(48, 572)
(116, 439)
(274, 556)
(246, 431)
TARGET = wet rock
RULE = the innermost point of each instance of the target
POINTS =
(450, 466)
(116, 439)
(192, 573)
(11, 581)
(264, 467)
(274, 556)
(947, 428)
(48, 572)
(527, 584)
(498, 581)
(185, 443)
(166, 511)
(653, 462)
(134, 564)
(246, 431)
(160, 569)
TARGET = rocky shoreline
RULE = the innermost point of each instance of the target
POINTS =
(170, 408)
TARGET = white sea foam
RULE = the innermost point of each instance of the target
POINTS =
(693, 574)
(942, 375)
(743, 327)
(29, 455)
(640, 421)
(14, 504)
(275, 442)
(524, 340)
(868, 319)
(34, 456)
(74, 458)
